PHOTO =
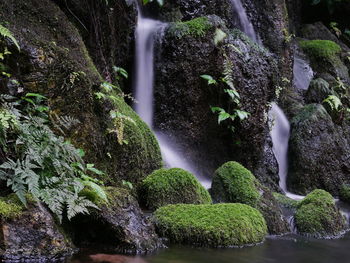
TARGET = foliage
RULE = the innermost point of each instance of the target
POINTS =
(172, 186)
(229, 114)
(317, 215)
(220, 225)
(159, 2)
(285, 201)
(232, 182)
(196, 27)
(108, 93)
(5, 33)
(9, 209)
(322, 49)
(41, 163)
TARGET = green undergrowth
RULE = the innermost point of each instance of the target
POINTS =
(172, 186)
(285, 201)
(219, 225)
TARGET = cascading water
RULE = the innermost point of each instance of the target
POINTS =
(302, 73)
(146, 31)
(246, 25)
(280, 132)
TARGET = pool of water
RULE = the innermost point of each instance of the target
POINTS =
(287, 249)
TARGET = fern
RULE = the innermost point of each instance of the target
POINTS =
(4, 32)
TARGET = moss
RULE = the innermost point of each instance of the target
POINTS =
(220, 225)
(197, 27)
(232, 182)
(323, 49)
(344, 193)
(285, 201)
(10, 207)
(172, 186)
(318, 216)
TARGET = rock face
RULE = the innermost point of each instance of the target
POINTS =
(33, 236)
(319, 152)
(183, 99)
(120, 226)
(318, 216)
(235, 184)
(54, 62)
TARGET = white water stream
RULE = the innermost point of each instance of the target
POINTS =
(246, 26)
(147, 31)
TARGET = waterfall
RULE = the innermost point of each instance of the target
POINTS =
(146, 31)
(246, 25)
(302, 73)
(280, 132)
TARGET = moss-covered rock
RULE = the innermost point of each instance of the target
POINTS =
(172, 186)
(318, 91)
(119, 225)
(220, 225)
(344, 193)
(54, 62)
(234, 183)
(31, 233)
(318, 216)
(321, 49)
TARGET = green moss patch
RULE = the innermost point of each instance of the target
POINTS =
(318, 216)
(285, 201)
(324, 49)
(344, 193)
(10, 207)
(197, 27)
(234, 183)
(172, 186)
(220, 225)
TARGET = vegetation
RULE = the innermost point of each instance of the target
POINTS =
(234, 183)
(285, 201)
(220, 225)
(317, 215)
(172, 186)
(197, 27)
(321, 49)
(41, 163)
(344, 193)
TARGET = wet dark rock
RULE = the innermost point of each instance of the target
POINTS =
(319, 152)
(119, 226)
(183, 99)
(54, 62)
(33, 236)
(318, 91)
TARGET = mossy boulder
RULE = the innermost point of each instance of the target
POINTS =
(30, 233)
(285, 201)
(344, 193)
(172, 186)
(234, 183)
(119, 225)
(318, 91)
(321, 49)
(318, 216)
(54, 62)
(220, 225)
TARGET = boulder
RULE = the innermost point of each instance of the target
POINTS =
(318, 216)
(318, 152)
(54, 62)
(220, 225)
(235, 184)
(119, 226)
(30, 234)
(172, 186)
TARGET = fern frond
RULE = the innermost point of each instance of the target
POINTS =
(4, 32)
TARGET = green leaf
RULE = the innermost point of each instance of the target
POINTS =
(36, 95)
(242, 114)
(210, 79)
(219, 36)
(121, 71)
(223, 116)
(6, 33)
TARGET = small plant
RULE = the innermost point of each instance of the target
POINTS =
(229, 114)
(5, 33)
(159, 2)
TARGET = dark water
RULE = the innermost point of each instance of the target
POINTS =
(287, 249)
